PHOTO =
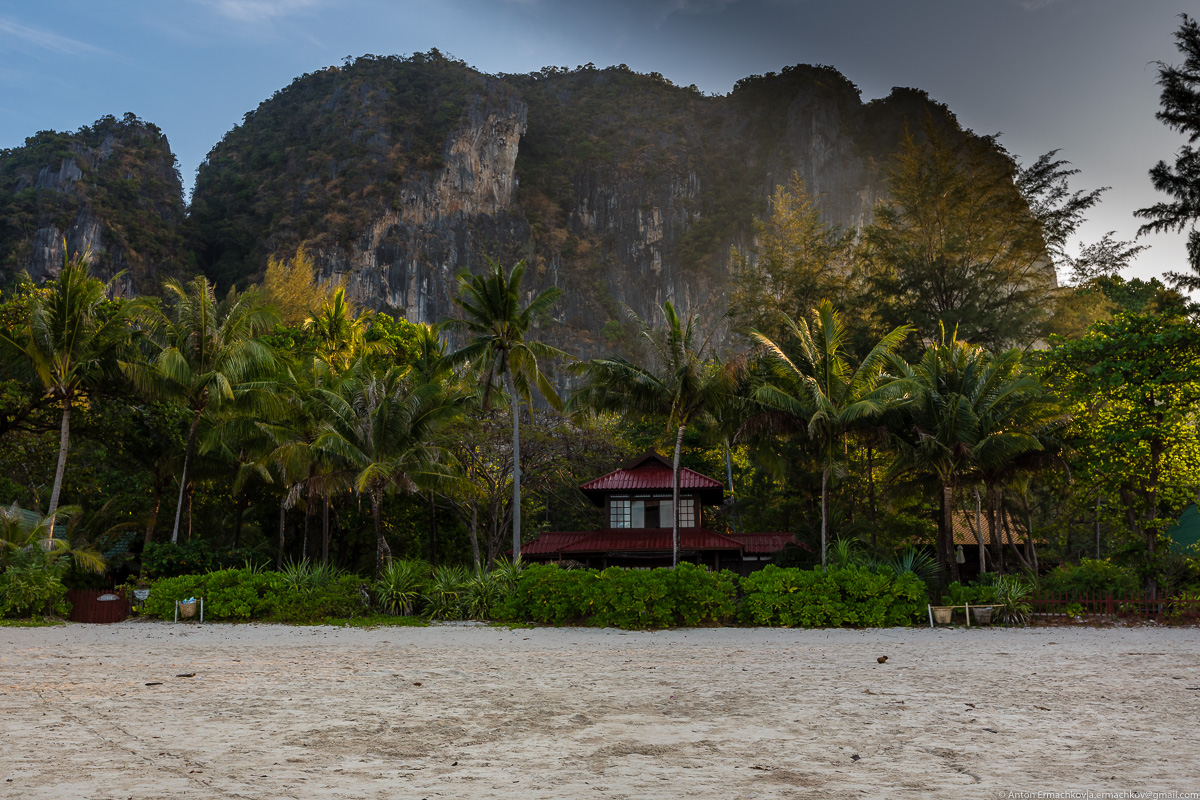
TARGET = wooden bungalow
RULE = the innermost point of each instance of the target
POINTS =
(636, 505)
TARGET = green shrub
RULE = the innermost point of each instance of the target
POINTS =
(1090, 576)
(29, 589)
(340, 597)
(243, 594)
(975, 595)
(399, 587)
(445, 592)
(855, 596)
(622, 598)
(1013, 599)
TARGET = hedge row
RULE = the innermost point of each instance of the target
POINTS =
(621, 598)
(689, 595)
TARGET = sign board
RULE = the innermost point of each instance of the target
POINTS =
(141, 594)
(108, 598)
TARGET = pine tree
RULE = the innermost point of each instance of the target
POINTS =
(1180, 101)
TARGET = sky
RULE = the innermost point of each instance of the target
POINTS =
(1074, 75)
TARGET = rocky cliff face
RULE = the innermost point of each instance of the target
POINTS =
(111, 190)
(620, 188)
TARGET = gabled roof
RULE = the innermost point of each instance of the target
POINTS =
(651, 472)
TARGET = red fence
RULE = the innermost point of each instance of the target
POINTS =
(97, 605)
(1182, 607)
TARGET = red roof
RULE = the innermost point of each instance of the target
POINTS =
(628, 539)
(763, 542)
(652, 472)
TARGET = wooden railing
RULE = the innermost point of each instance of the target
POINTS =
(1182, 607)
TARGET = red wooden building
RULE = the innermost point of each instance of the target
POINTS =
(636, 502)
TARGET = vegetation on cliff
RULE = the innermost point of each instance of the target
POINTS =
(119, 174)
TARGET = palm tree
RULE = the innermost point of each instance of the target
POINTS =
(498, 325)
(208, 353)
(820, 390)
(341, 335)
(380, 429)
(953, 402)
(32, 534)
(71, 341)
(679, 384)
(1017, 423)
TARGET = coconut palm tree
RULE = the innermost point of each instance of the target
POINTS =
(340, 333)
(207, 353)
(380, 429)
(498, 347)
(821, 391)
(679, 384)
(953, 420)
(1018, 421)
(71, 341)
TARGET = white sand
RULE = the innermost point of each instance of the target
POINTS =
(277, 712)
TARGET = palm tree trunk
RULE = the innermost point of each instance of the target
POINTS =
(824, 513)
(307, 517)
(380, 543)
(432, 531)
(871, 492)
(473, 534)
(191, 493)
(945, 535)
(675, 498)
(282, 522)
(183, 479)
(156, 495)
(64, 440)
(516, 511)
(993, 493)
(734, 522)
(325, 528)
(237, 521)
(979, 532)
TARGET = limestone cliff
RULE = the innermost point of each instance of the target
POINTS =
(111, 189)
(621, 188)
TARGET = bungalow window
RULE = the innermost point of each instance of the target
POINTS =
(648, 513)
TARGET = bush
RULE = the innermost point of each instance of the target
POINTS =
(169, 560)
(818, 599)
(399, 587)
(243, 594)
(975, 595)
(30, 589)
(622, 598)
(1090, 576)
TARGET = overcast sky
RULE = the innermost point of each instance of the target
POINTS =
(1071, 74)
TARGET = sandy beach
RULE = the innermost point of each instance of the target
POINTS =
(469, 711)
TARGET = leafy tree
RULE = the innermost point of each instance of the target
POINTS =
(1134, 382)
(957, 244)
(207, 352)
(819, 389)
(72, 339)
(678, 384)
(498, 348)
(1180, 111)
